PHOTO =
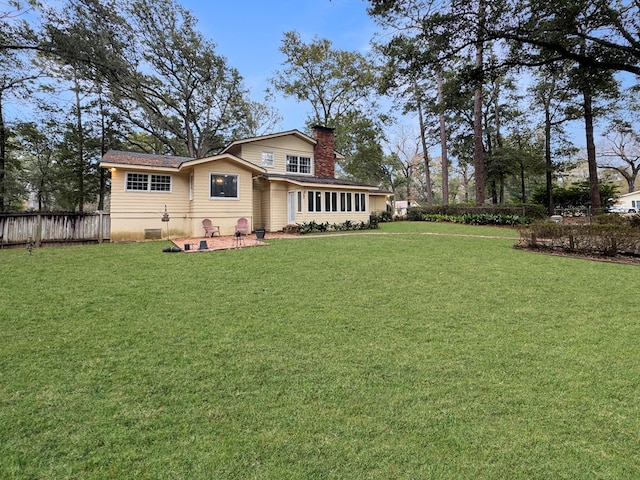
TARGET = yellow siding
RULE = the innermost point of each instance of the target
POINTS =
(261, 206)
(222, 212)
(279, 208)
(377, 203)
(281, 147)
(278, 203)
(133, 212)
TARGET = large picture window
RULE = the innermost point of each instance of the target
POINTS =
(143, 182)
(224, 185)
(297, 164)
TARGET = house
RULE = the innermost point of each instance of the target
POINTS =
(273, 180)
(629, 201)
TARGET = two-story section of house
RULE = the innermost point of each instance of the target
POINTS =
(272, 180)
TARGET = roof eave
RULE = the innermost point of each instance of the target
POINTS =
(129, 166)
(318, 182)
(294, 132)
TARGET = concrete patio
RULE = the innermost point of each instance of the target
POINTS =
(224, 242)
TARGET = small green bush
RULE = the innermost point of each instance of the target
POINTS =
(385, 217)
(291, 229)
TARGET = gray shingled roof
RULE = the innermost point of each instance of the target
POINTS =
(143, 159)
(319, 180)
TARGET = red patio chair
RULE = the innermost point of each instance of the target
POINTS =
(209, 229)
(242, 226)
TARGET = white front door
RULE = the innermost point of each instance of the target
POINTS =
(291, 208)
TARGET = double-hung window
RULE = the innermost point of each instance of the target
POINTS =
(143, 182)
(296, 164)
(224, 185)
(267, 159)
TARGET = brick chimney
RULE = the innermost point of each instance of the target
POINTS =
(324, 156)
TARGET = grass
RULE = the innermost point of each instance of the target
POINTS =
(360, 356)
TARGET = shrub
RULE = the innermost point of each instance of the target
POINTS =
(291, 229)
(313, 227)
(576, 196)
(634, 221)
(529, 211)
(609, 219)
(474, 218)
(484, 215)
(385, 217)
(612, 238)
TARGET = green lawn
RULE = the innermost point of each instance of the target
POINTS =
(361, 356)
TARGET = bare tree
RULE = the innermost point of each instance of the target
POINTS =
(405, 146)
(622, 153)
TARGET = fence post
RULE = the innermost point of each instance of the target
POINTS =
(38, 239)
(100, 239)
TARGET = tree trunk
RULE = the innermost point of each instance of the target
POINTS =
(425, 154)
(523, 191)
(478, 150)
(591, 152)
(103, 149)
(3, 158)
(547, 158)
(80, 153)
(409, 174)
(443, 140)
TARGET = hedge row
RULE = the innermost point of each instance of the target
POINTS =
(314, 227)
(479, 219)
(611, 236)
(532, 211)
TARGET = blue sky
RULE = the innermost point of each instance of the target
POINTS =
(249, 33)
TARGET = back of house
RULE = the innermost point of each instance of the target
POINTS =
(273, 180)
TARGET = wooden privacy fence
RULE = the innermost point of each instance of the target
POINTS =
(40, 228)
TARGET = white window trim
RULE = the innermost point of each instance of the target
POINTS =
(298, 157)
(315, 194)
(361, 205)
(348, 202)
(270, 163)
(333, 206)
(148, 189)
(236, 198)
